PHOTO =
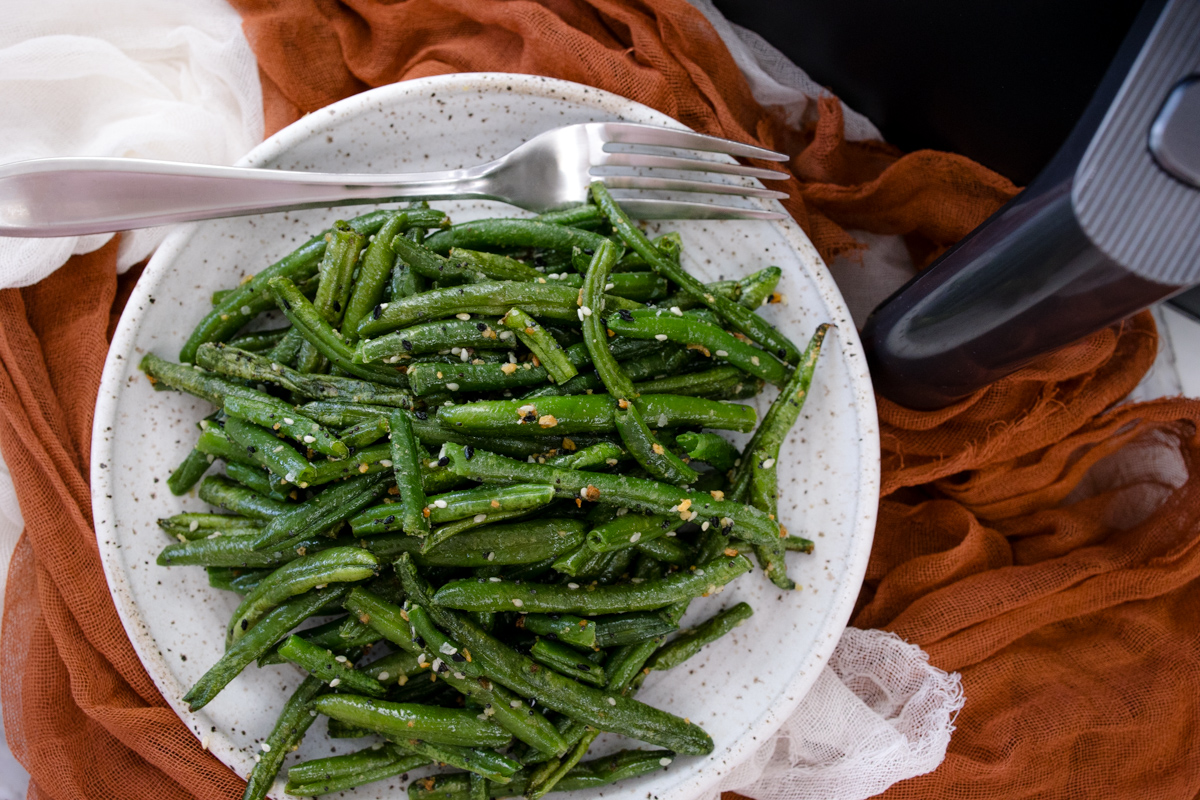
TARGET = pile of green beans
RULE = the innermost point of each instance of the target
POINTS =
(490, 453)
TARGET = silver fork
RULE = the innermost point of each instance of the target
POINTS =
(77, 196)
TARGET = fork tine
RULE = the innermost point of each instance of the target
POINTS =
(687, 164)
(634, 133)
(669, 185)
(639, 208)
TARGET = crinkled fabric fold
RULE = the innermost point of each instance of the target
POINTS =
(1037, 537)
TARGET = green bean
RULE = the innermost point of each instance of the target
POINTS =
(204, 385)
(341, 413)
(500, 545)
(651, 496)
(406, 720)
(231, 549)
(406, 467)
(254, 478)
(339, 773)
(487, 763)
(322, 664)
(365, 433)
(188, 473)
(455, 505)
(662, 361)
(270, 629)
(367, 461)
(433, 337)
(587, 775)
(742, 319)
(657, 460)
(632, 628)
(317, 331)
(260, 340)
(284, 353)
(759, 287)
(689, 330)
(335, 565)
(434, 266)
(541, 343)
(714, 383)
(322, 512)
(328, 636)
(764, 489)
(629, 529)
(590, 706)
(289, 729)
(561, 627)
(224, 493)
(566, 661)
(228, 360)
(590, 414)
(336, 729)
(644, 287)
(470, 595)
(373, 274)
(690, 642)
(576, 216)
(226, 318)
(493, 266)
(489, 298)
(782, 414)
(668, 551)
(595, 332)
(797, 543)
(215, 443)
(197, 525)
(510, 712)
(269, 451)
(236, 580)
(604, 454)
(710, 448)
(333, 292)
(488, 234)
(670, 245)
(583, 563)
(291, 423)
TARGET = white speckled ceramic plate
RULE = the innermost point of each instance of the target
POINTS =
(739, 690)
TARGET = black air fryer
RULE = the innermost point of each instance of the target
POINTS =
(1095, 105)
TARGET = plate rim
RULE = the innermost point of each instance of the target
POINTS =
(124, 338)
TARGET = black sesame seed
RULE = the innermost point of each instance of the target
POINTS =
(468, 452)
(420, 641)
(406, 344)
(459, 657)
(389, 519)
(420, 415)
(481, 327)
(625, 315)
(376, 312)
(781, 353)
(443, 461)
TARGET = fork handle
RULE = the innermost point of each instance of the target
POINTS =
(79, 196)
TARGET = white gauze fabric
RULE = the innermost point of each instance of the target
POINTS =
(140, 78)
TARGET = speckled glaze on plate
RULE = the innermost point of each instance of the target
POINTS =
(740, 690)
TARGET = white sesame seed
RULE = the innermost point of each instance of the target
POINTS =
(257, 758)
(494, 580)
(464, 356)
(517, 602)
(664, 761)
(383, 676)
(612, 701)
(452, 387)
(480, 518)
(204, 741)
(463, 316)
(514, 703)
(587, 312)
(506, 334)
(289, 421)
(583, 493)
(579, 313)
(676, 311)
(385, 462)
(384, 305)
(770, 462)
(309, 439)
(572, 585)
(195, 524)
(609, 287)
(754, 360)
(622, 511)
(459, 675)
(266, 747)
(437, 664)
(491, 556)
(634, 539)
(334, 682)
(340, 659)
(721, 353)
(277, 449)
(662, 337)
(704, 525)
(246, 310)
(455, 350)
(439, 503)
(433, 464)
